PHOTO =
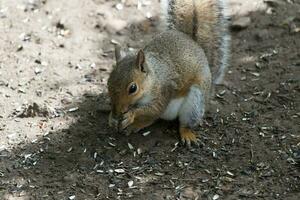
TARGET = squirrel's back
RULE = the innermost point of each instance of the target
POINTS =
(206, 22)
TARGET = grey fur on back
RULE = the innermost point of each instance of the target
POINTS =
(163, 54)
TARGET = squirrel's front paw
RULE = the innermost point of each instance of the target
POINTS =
(131, 129)
(128, 119)
(112, 122)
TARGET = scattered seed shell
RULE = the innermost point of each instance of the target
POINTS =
(146, 133)
(73, 109)
(255, 74)
(114, 41)
(112, 144)
(139, 151)
(72, 197)
(120, 171)
(229, 173)
(130, 146)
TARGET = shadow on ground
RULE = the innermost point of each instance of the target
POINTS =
(249, 142)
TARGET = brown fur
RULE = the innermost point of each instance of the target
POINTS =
(167, 76)
(192, 80)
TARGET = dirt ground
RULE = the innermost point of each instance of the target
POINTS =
(55, 59)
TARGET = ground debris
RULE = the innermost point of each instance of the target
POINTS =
(33, 110)
(274, 3)
(61, 61)
(32, 5)
(241, 23)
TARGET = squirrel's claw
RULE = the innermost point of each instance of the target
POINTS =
(131, 129)
(188, 137)
(111, 121)
(128, 119)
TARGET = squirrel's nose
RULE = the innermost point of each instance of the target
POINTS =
(118, 109)
(125, 110)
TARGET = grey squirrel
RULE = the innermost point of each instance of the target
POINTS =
(172, 76)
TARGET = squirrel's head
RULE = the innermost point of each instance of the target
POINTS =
(127, 81)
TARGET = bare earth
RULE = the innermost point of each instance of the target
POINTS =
(55, 58)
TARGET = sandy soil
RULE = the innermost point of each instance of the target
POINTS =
(55, 58)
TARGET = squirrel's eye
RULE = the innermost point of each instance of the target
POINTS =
(132, 88)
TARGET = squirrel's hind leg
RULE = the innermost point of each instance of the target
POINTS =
(191, 114)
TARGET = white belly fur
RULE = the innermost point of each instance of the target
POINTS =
(172, 109)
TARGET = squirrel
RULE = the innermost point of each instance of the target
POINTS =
(172, 76)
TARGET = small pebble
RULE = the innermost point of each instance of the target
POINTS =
(72, 197)
(241, 23)
(216, 196)
(119, 6)
(130, 184)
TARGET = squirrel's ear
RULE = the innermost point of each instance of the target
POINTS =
(140, 61)
(119, 54)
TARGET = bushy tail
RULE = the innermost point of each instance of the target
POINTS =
(206, 22)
